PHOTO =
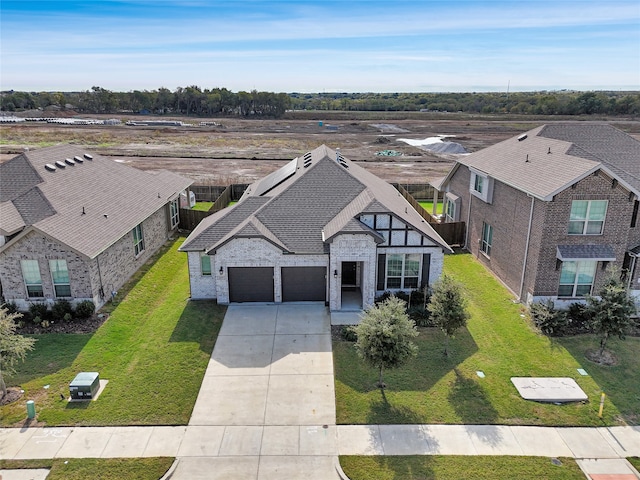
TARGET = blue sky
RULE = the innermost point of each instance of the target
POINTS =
(320, 46)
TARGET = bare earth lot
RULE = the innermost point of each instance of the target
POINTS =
(240, 151)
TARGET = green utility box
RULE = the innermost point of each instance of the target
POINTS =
(85, 386)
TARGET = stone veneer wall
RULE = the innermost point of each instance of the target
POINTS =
(36, 246)
(113, 267)
(116, 264)
(353, 248)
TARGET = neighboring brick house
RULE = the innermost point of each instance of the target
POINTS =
(75, 225)
(549, 210)
(322, 229)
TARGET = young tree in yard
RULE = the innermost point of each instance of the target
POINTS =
(611, 312)
(13, 347)
(384, 336)
(448, 307)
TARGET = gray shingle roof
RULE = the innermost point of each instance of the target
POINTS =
(114, 197)
(553, 157)
(215, 227)
(322, 198)
(601, 143)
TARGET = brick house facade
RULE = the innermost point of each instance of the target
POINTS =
(319, 229)
(95, 223)
(562, 209)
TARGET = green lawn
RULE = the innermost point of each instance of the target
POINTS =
(500, 343)
(151, 468)
(428, 206)
(153, 349)
(635, 461)
(435, 467)
(202, 206)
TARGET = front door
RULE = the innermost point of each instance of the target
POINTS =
(349, 274)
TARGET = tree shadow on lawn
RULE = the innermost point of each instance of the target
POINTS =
(199, 322)
(617, 382)
(472, 405)
(52, 353)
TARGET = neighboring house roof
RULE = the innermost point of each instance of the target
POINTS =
(87, 204)
(546, 160)
(301, 206)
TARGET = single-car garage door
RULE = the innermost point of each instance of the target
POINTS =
(251, 284)
(304, 284)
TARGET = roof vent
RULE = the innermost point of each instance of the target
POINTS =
(522, 137)
(78, 159)
(88, 157)
(68, 161)
(60, 164)
(50, 167)
(307, 157)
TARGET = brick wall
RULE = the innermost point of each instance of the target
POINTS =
(111, 269)
(556, 223)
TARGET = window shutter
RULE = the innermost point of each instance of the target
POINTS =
(382, 270)
(426, 265)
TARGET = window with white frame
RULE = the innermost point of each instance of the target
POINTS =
(576, 278)
(60, 277)
(205, 264)
(32, 278)
(138, 240)
(487, 239)
(403, 270)
(174, 213)
(481, 186)
(587, 217)
(452, 208)
(478, 183)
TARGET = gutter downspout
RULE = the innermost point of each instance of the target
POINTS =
(526, 249)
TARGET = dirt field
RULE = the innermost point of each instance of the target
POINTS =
(240, 151)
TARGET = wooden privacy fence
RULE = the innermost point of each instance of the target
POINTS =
(453, 233)
(189, 219)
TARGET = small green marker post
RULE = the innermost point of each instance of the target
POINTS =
(31, 409)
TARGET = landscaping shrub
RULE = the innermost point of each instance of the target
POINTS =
(579, 319)
(550, 321)
(85, 309)
(11, 307)
(421, 316)
(60, 309)
(348, 333)
(38, 312)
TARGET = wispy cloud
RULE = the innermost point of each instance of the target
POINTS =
(300, 45)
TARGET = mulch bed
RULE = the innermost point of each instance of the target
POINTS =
(88, 325)
(13, 394)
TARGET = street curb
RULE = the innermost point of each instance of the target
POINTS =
(341, 474)
(172, 469)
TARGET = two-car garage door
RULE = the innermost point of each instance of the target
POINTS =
(255, 284)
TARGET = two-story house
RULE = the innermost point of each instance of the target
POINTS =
(549, 210)
(75, 225)
(319, 229)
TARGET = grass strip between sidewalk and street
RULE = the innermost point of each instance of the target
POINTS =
(151, 468)
(498, 341)
(441, 467)
(153, 349)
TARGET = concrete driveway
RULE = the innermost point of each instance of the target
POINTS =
(266, 407)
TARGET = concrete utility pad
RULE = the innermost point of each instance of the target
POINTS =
(20, 474)
(549, 389)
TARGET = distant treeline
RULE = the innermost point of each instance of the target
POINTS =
(222, 102)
